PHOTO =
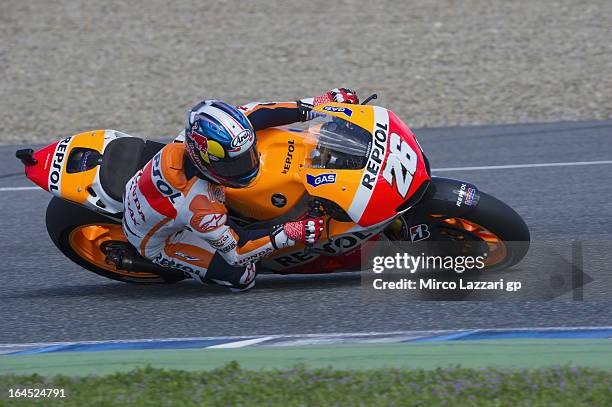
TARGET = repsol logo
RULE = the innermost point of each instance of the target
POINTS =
(460, 195)
(160, 183)
(289, 158)
(55, 173)
(338, 245)
(377, 155)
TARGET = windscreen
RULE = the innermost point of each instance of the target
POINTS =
(337, 144)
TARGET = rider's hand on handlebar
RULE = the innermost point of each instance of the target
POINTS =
(306, 231)
(339, 95)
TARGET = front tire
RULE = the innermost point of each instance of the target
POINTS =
(492, 227)
(504, 231)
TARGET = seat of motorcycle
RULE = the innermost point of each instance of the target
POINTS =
(122, 158)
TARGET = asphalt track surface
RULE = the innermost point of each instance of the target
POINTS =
(45, 297)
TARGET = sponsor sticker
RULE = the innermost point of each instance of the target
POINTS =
(228, 248)
(160, 182)
(221, 241)
(338, 245)
(460, 194)
(321, 179)
(466, 196)
(376, 156)
(289, 159)
(242, 138)
(55, 173)
(208, 222)
(200, 141)
(344, 110)
(469, 197)
(186, 256)
(255, 256)
(168, 262)
(419, 232)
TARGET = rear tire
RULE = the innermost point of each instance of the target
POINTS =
(63, 218)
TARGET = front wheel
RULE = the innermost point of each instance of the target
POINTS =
(79, 234)
(492, 228)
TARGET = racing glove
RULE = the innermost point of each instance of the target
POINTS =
(339, 95)
(306, 231)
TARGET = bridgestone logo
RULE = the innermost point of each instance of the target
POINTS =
(55, 173)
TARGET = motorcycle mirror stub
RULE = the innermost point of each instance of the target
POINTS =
(25, 155)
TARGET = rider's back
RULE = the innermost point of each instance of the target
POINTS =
(160, 200)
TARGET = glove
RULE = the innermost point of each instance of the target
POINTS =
(306, 231)
(338, 95)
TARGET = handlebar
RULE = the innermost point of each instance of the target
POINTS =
(369, 98)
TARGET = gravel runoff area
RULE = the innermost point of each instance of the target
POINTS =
(73, 65)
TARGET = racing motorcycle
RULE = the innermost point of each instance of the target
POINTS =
(358, 166)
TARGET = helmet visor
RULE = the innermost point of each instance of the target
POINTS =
(240, 169)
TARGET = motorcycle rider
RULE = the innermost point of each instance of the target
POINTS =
(175, 212)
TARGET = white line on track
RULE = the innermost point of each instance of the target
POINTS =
(505, 167)
(242, 344)
(6, 189)
(487, 167)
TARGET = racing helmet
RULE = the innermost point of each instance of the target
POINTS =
(220, 142)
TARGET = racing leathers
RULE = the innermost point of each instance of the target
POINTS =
(178, 219)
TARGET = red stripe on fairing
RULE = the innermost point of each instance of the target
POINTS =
(155, 198)
(39, 173)
(350, 260)
(385, 197)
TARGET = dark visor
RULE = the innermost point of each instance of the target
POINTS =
(239, 166)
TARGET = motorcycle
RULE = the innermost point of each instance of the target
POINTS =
(358, 166)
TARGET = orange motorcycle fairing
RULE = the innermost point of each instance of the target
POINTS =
(350, 158)
(361, 158)
(278, 187)
(70, 169)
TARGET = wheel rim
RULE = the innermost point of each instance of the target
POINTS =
(498, 250)
(86, 240)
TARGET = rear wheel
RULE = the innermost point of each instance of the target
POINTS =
(79, 234)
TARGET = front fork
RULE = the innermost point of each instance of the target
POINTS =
(443, 196)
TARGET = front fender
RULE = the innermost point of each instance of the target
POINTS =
(444, 195)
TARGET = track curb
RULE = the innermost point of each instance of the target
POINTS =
(235, 342)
